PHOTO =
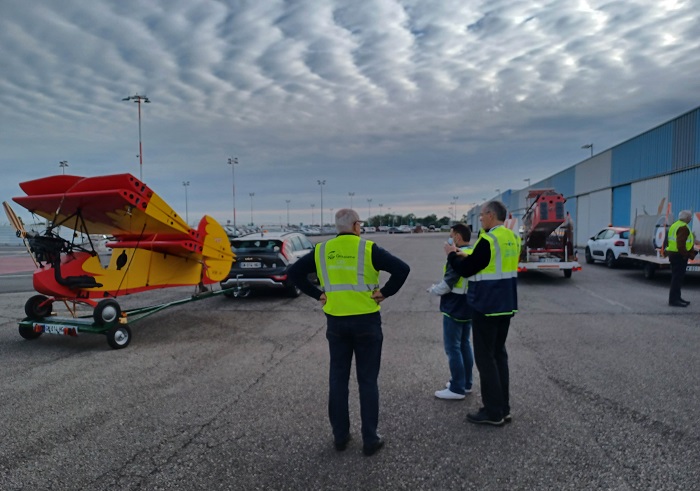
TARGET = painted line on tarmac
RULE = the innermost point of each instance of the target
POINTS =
(599, 297)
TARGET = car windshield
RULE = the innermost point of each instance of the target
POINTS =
(625, 234)
(256, 245)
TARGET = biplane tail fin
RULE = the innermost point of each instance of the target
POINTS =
(216, 250)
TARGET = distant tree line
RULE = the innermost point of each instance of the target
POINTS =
(410, 219)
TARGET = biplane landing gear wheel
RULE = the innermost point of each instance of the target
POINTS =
(28, 332)
(38, 307)
(119, 336)
(106, 311)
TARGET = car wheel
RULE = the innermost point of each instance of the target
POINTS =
(38, 307)
(610, 259)
(589, 256)
(292, 290)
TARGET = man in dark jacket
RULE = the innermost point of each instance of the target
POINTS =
(456, 321)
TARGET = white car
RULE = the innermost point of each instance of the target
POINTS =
(611, 245)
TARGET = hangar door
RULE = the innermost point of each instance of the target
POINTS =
(593, 213)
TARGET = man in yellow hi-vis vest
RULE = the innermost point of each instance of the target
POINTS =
(348, 268)
(492, 269)
(680, 248)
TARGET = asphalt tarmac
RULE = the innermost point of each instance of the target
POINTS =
(231, 394)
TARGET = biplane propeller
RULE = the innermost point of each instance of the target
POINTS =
(152, 246)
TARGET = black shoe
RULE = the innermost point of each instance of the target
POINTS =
(507, 418)
(369, 450)
(341, 445)
(685, 302)
(678, 303)
(484, 418)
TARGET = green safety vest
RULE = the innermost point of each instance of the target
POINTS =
(347, 275)
(673, 233)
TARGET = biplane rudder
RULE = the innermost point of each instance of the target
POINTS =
(216, 250)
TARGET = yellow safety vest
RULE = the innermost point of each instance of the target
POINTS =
(347, 275)
(493, 290)
(462, 284)
(673, 233)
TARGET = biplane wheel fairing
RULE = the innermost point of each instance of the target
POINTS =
(106, 311)
(119, 336)
(37, 307)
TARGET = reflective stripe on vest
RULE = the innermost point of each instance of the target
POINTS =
(673, 233)
(347, 276)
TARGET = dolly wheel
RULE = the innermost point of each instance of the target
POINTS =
(106, 311)
(38, 307)
(28, 332)
(119, 336)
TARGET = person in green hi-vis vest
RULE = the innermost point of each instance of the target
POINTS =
(679, 250)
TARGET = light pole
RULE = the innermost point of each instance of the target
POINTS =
(369, 210)
(251, 208)
(137, 99)
(588, 145)
(380, 214)
(455, 205)
(63, 164)
(351, 195)
(321, 183)
(528, 182)
(391, 216)
(233, 162)
(312, 213)
(186, 184)
(288, 201)
(498, 191)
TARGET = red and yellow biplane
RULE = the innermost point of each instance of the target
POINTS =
(152, 246)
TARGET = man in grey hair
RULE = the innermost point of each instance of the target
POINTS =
(348, 270)
(680, 248)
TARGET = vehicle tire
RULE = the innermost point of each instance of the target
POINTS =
(28, 332)
(106, 312)
(610, 261)
(567, 273)
(292, 290)
(119, 336)
(34, 308)
(649, 270)
(589, 256)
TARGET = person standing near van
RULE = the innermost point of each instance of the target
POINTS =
(680, 248)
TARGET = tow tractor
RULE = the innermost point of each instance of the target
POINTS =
(547, 234)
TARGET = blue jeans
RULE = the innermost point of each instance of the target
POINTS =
(455, 335)
(362, 336)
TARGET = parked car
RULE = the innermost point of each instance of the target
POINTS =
(369, 230)
(611, 245)
(262, 260)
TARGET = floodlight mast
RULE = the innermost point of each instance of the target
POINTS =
(137, 99)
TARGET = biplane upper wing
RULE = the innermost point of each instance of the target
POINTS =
(118, 205)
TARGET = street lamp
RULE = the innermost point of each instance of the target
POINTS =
(321, 183)
(528, 183)
(380, 214)
(312, 213)
(498, 191)
(369, 210)
(351, 195)
(186, 184)
(251, 208)
(63, 164)
(455, 205)
(588, 145)
(288, 201)
(233, 162)
(137, 99)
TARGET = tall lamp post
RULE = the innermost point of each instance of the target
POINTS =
(351, 195)
(233, 162)
(186, 184)
(498, 191)
(528, 182)
(63, 164)
(588, 145)
(251, 208)
(288, 201)
(321, 183)
(380, 214)
(137, 99)
(369, 210)
(312, 213)
(455, 205)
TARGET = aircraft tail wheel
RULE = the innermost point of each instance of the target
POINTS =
(119, 336)
(106, 311)
(37, 307)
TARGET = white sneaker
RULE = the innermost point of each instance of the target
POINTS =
(447, 384)
(448, 394)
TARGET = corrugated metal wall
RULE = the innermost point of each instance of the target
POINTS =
(622, 196)
(646, 196)
(648, 155)
(593, 174)
(685, 190)
(593, 213)
(564, 182)
(685, 140)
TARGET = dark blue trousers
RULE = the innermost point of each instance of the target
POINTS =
(360, 335)
(490, 334)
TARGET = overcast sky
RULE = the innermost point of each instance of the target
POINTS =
(408, 103)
